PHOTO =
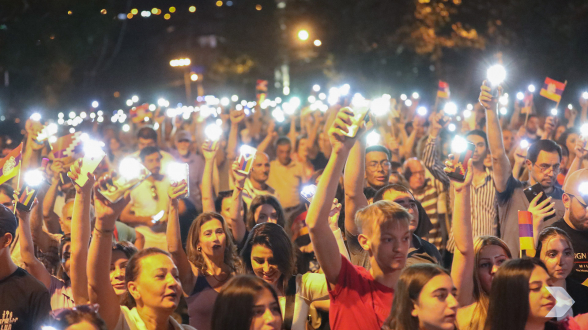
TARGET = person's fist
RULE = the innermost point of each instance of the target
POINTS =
(486, 99)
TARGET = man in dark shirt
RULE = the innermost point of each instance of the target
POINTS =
(24, 302)
(575, 221)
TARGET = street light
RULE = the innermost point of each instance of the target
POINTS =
(180, 62)
(318, 43)
(303, 35)
(194, 77)
(188, 76)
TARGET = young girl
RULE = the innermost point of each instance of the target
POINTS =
(425, 299)
(247, 303)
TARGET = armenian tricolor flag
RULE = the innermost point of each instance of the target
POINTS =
(552, 89)
(443, 91)
(67, 145)
(139, 113)
(526, 241)
(10, 165)
(261, 89)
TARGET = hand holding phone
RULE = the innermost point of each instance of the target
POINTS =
(178, 172)
(246, 157)
(308, 192)
(93, 156)
(33, 181)
(463, 152)
(131, 174)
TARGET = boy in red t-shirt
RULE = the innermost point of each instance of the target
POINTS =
(360, 299)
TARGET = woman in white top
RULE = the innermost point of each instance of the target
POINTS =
(151, 278)
(269, 254)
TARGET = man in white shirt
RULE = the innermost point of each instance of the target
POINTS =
(286, 175)
(256, 183)
(148, 208)
(147, 137)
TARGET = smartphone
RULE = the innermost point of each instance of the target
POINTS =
(460, 164)
(33, 180)
(246, 157)
(115, 192)
(89, 164)
(532, 192)
(359, 117)
(308, 192)
(177, 172)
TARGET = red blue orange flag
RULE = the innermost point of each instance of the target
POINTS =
(443, 91)
(552, 89)
(10, 165)
(526, 241)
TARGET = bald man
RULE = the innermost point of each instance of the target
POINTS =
(256, 184)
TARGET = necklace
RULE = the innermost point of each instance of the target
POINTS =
(218, 280)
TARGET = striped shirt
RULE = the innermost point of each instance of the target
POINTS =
(428, 197)
(484, 204)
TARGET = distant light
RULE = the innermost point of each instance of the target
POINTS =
(467, 113)
(172, 9)
(503, 111)
(295, 102)
(72, 115)
(60, 121)
(225, 101)
(83, 115)
(415, 95)
(531, 88)
(234, 98)
(451, 127)
(520, 96)
(286, 90)
(134, 11)
(194, 77)
(408, 103)
(311, 99)
(192, 9)
(126, 128)
(585, 95)
(167, 16)
(129, 15)
(496, 74)
(403, 97)
(103, 12)
(258, 7)
(503, 100)
(373, 138)
(322, 96)
(69, 12)
(72, 130)
(53, 139)
(422, 111)
(135, 98)
(100, 119)
(303, 35)
(450, 108)
(36, 116)
(60, 115)
(470, 106)
(100, 113)
(570, 106)
(219, 3)
(229, 3)
(121, 16)
(344, 90)
(154, 11)
(554, 112)
(316, 88)
(278, 100)
(129, 102)
(152, 107)
(92, 115)
(318, 43)
(95, 104)
(145, 13)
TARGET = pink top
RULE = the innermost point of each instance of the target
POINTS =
(579, 322)
(61, 294)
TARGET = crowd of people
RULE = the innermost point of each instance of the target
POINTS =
(388, 238)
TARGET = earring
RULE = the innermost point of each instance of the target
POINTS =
(199, 249)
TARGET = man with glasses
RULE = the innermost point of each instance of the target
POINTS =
(543, 161)
(148, 208)
(575, 221)
(377, 166)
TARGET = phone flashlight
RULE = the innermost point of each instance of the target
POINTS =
(360, 113)
(463, 151)
(93, 155)
(33, 181)
(422, 111)
(177, 172)
(554, 112)
(373, 138)
(524, 144)
(308, 192)
(496, 75)
(213, 133)
(131, 174)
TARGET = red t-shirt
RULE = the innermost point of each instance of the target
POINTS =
(358, 301)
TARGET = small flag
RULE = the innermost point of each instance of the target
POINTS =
(67, 146)
(552, 89)
(261, 89)
(526, 241)
(443, 91)
(138, 114)
(10, 165)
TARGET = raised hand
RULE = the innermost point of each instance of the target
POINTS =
(271, 129)
(105, 210)
(436, 126)
(334, 215)
(209, 150)
(177, 190)
(580, 148)
(339, 130)
(486, 99)
(75, 172)
(469, 175)
(550, 125)
(542, 210)
(236, 116)
(238, 175)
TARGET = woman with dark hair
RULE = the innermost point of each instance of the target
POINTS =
(77, 318)
(121, 254)
(425, 299)
(209, 261)
(269, 254)
(520, 298)
(557, 253)
(152, 279)
(247, 303)
(265, 208)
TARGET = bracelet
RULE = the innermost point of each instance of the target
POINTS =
(102, 231)
(239, 188)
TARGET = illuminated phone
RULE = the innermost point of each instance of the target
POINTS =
(246, 157)
(33, 181)
(308, 192)
(177, 172)
(131, 174)
(463, 151)
(93, 156)
(360, 114)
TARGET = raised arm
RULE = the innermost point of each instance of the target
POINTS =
(353, 183)
(80, 235)
(207, 186)
(236, 117)
(540, 212)
(100, 289)
(235, 219)
(581, 154)
(174, 239)
(27, 249)
(323, 240)
(51, 195)
(269, 138)
(500, 162)
(462, 269)
(430, 158)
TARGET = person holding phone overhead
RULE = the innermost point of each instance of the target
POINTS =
(543, 163)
